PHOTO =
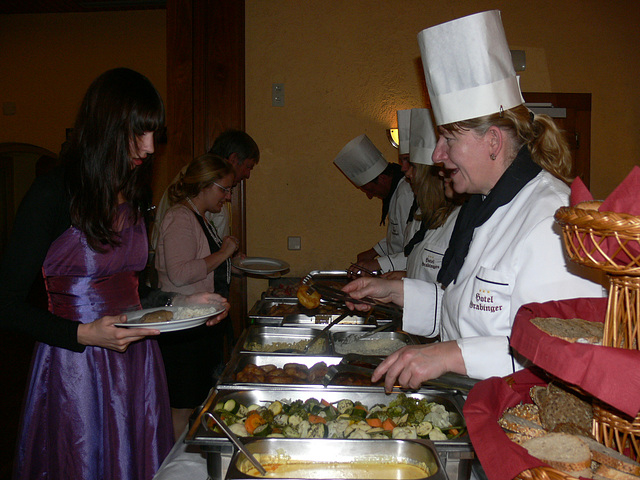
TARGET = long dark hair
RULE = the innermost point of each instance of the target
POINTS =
(119, 106)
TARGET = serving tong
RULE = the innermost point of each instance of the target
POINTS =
(366, 364)
(335, 296)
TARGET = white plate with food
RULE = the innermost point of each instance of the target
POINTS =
(260, 265)
(171, 319)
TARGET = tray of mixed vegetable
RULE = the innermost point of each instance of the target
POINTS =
(333, 414)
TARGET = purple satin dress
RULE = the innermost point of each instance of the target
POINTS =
(98, 414)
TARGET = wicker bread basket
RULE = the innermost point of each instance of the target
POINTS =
(609, 241)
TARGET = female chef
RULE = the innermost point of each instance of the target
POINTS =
(505, 250)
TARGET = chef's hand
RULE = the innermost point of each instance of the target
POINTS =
(366, 255)
(103, 333)
(394, 275)
(385, 291)
(204, 298)
(414, 364)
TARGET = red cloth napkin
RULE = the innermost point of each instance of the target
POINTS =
(624, 199)
(626, 196)
(501, 458)
(609, 374)
(579, 192)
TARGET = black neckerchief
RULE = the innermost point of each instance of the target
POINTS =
(417, 237)
(395, 180)
(220, 284)
(413, 209)
(476, 211)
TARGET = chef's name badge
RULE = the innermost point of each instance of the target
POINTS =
(484, 301)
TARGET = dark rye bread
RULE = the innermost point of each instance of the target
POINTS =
(558, 405)
(571, 329)
(611, 458)
(565, 452)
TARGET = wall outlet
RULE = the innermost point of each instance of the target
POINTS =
(294, 243)
(277, 94)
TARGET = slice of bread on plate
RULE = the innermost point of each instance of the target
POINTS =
(571, 329)
(561, 451)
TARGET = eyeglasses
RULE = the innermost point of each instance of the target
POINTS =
(226, 190)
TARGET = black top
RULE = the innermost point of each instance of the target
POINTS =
(43, 216)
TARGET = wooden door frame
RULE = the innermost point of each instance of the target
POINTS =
(578, 110)
(205, 96)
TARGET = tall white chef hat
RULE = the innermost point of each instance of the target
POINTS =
(404, 119)
(360, 160)
(423, 139)
(468, 68)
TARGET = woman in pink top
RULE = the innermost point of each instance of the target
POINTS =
(192, 257)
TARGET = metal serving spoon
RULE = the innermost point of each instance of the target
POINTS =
(316, 338)
(232, 436)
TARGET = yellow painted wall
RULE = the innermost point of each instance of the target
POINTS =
(48, 61)
(348, 65)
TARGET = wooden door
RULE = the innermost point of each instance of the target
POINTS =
(205, 96)
(572, 113)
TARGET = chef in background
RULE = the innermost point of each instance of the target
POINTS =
(363, 164)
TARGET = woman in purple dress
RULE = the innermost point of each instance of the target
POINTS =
(97, 405)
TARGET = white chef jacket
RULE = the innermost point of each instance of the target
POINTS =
(516, 257)
(424, 261)
(391, 249)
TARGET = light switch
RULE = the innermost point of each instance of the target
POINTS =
(277, 94)
(294, 243)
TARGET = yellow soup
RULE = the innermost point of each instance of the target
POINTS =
(340, 470)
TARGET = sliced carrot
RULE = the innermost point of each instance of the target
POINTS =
(325, 403)
(388, 424)
(253, 421)
(454, 431)
(317, 419)
(374, 422)
(360, 407)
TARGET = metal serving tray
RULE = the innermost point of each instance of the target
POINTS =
(455, 455)
(420, 453)
(227, 381)
(349, 342)
(269, 335)
(320, 321)
(261, 313)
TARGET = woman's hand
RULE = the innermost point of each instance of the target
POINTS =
(103, 333)
(230, 245)
(385, 291)
(414, 364)
(204, 298)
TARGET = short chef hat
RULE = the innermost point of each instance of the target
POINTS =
(423, 139)
(404, 118)
(360, 160)
(468, 68)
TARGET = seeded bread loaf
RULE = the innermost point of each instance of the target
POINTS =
(560, 405)
(564, 452)
(522, 426)
(571, 329)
